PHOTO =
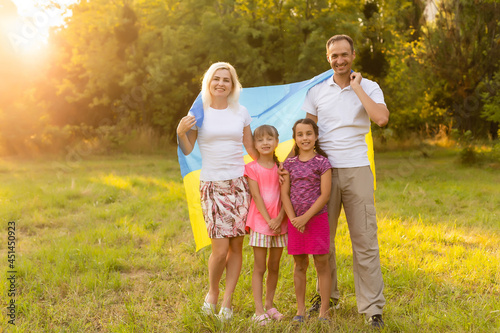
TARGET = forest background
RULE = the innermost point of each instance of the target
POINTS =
(118, 75)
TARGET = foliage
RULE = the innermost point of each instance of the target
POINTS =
(473, 153)
(491, 97)
(461, 48)
(138, 64)
(468, 154)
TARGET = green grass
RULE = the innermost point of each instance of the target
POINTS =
(104, 244)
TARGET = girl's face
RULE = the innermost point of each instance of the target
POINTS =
(221, 83)
(266, 144)
(305, 138)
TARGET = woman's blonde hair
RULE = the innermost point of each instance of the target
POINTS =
(233, 97)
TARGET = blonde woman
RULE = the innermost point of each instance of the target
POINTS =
(225, 196)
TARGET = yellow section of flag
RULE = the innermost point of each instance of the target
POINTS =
(192, 185)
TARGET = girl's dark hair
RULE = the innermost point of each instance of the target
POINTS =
(308, 121)
(269, 130)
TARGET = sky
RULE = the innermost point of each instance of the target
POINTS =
(25, 24)
(29, 8)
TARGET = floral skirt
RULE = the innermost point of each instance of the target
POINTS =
(225, 205)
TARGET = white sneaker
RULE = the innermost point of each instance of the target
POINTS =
(225, 314)
(208, 309)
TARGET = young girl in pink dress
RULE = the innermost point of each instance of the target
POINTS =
(305, 193)
(266, 221)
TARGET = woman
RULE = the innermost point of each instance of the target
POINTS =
(225, 196)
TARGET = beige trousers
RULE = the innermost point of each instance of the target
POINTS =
(352, 188)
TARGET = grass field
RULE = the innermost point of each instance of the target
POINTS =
(103, 244)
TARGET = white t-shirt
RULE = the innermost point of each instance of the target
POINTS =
(342, 120)
(220, 139)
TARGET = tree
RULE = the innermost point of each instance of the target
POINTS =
(121, 65)
(461, 47)
(491, 111)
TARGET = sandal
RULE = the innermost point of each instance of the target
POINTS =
(298, 319)
(273, 313)
(261, 320)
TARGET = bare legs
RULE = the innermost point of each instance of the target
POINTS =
(299, 279)
(273, 267)
(259, 269)
(233, 269)
(321, 262)
(216, 265)
(226, 254)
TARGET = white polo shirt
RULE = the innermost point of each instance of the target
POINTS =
(342, 120)
(220, 139)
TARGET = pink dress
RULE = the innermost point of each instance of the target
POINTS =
(269, 187)
(305, 188)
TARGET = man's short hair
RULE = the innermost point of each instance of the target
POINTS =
(336, 38)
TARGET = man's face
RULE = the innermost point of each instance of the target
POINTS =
(340, 57)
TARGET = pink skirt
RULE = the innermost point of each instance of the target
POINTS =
(314, 240)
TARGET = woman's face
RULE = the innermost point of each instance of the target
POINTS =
(221, 84)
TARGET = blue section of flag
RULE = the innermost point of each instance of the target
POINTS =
(279, 106)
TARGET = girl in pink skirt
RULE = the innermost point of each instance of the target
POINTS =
(305, 193)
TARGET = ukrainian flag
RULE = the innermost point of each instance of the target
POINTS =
(279, 106)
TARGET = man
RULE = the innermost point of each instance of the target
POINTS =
(342, 106)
